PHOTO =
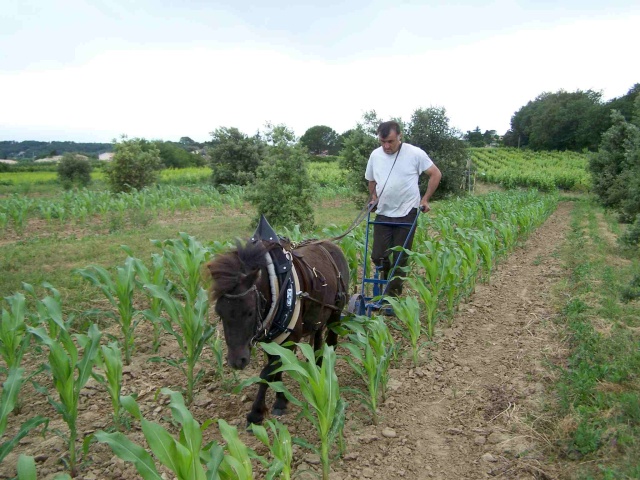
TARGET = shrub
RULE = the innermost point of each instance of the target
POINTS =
(235, 157)
(631, 237)
(283, 190)
(615, 168)
(357, 148)
(74, 170)
(134, 166)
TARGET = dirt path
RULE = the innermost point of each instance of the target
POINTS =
(460, 415)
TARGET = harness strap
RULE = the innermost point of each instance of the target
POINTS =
(296, 309)
(341, 285)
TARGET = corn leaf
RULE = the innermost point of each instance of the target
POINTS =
(130, 452)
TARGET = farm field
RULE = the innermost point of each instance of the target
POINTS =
(476, 401)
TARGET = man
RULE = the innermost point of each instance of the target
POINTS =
(393, 171)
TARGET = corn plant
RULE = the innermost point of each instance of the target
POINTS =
(371, 354)
(152, 276)
(408, 312)
(236, 463)
(119, 292)
(64, 360)
(468, 244)
(215, 344)
(185, 257)
(18, 211)
(430, 262)
(26, 468)
(8, 400)
(183, 456)
(452, 260)
(110, 360)
(281, 449)
(14, 339)
(430, 302)
(49, 310)
(486, 252)
(319, 385)
(193, 334)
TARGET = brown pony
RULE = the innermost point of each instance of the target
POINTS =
(242, 291)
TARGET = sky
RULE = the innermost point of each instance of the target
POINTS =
(93, 70)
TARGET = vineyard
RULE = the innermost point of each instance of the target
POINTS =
(546, 171)
(139, 372)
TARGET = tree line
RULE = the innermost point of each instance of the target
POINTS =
(34, 150)
(567, 120)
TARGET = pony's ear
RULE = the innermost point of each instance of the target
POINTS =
(251, 277)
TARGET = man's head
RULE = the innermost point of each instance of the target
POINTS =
(390, 137)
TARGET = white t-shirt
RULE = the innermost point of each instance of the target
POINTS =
(401, 192)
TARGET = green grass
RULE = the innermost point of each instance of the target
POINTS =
(600, 387)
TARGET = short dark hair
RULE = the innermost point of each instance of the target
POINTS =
(384, 129)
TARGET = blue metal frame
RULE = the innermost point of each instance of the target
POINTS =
(379, 286)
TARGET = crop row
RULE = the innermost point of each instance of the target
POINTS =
(82, 205)
(323, 173)
(452, 249)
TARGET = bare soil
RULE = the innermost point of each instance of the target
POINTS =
(469, 411)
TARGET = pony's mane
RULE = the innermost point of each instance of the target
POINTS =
(228, 269)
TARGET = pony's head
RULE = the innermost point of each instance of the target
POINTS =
(236, 289)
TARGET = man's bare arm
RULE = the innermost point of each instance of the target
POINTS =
(434, 180)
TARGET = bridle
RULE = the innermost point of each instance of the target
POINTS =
(259, 301)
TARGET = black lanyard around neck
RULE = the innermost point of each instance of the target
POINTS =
(394, 164)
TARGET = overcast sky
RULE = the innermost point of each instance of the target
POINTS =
(91, 70)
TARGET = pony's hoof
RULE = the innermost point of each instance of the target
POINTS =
(278, 412)
(254, 419)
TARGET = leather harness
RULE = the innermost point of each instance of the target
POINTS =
(285, 267)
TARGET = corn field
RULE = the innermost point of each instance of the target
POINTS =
(455, 246)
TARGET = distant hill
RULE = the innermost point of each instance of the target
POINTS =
(32, 150)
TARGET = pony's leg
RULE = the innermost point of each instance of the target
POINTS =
(259, 407)
(318, 342)
(332, 337)
(281, 403)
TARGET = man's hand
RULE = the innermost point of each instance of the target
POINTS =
(424, 206)
(373, 202)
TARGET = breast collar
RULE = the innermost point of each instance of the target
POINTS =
(284, 285)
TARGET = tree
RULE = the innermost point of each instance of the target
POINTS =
(73, 170)
(235, 156)
(615, 168)
(283, 191)
(429, 129)
(490, 137)
(320, 139)
(475, 138)
(559, 121)
(623, 104)
(135, 165)
(174, 156)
